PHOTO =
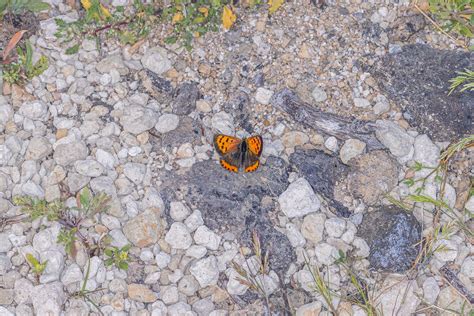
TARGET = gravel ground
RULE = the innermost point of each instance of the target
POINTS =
(138, 125)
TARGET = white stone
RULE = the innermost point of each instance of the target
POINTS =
(299, 199)
(167, 123)
(105, 158)
(196, 251)
(234, 287)
(206, 237)
(363, 250)
(34, 110)
(89, 167)
(426, 152)
(205, 271)
(335, 227)
(396, 139)
(381, 105)
(313, 227)
(169, 294)
(430, 290)
(194, 220)
(361, 102)
(135, 172)
(71, 274)
(326, 253)
(319, 95)
(294, 236)
(178, 236)
(447, 250)
(223, 123)
(179, 211)
(156, 60)
(309, 309)
(331, 143)
(294, 138)
(263, 96)
(351, 148)
(397, 296)
(162, 260)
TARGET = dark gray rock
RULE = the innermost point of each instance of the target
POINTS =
(186, 96)
(392, 235)
(322, 171)
(232, 203)
(188, 131)
(158, 87)
(417, 78)
(239, 107)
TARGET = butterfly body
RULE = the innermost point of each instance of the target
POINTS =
(237, 154)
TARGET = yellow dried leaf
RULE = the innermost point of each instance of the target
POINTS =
(86, 4)
(228, 17)
(177, 17)
(274, 5)
(105, 11)
(204, 11)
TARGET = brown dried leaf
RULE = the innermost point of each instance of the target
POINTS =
(12, 43)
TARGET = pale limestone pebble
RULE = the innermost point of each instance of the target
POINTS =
(305, 279)
(223, 123)
(71, 274)
(449, 250)
(179, 211)
(135, 172)
(294, 138)
(54, 267)
(180, 308)
(203, 306)
(234, 287)
(34, 110)
(5, 312)
(153, 278)
(38, 148)
(156, 59)
(203, 106)
(178, 236)
(185, 151)
(89, 167)
(449, 298)
(263, 96)
(194, 220)
(175, 276)
(363, 249)
(382, 105)
(294, 235)
(326, 253)
(335, 226)
(395, 138)
(167, 123)
(206, 237)
(319, 95)
(66, 154)
(186, 162)
(299, 199)
(138, 119)
(48, 299)
(426, 152)
(5, 244)
(141, 293)
(162, 259)
(196, 251)
(169, 294)
(188, 285)
(23, 290)
(313, 227)
(430, 290)
(397, 295)
(351, 149)
(205, 271)
(331, 143)
(361, 102)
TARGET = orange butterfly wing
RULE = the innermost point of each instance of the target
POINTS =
(252, 167)
(228, 166)
(225, 144)
(255, 145)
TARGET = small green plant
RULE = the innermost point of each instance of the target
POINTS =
(67, 237)
(191, 19)
(37, 208)
(20, 6)
(128, 25)
(117, 256)
(24, 68)
(465, 79)
(84, 293)
(454, 15)
(252, 276)
(36, 266)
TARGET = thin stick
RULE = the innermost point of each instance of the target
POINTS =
(457, 42)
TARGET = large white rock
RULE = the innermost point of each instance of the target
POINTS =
(178, 236)
(299, 199)
(205, 271)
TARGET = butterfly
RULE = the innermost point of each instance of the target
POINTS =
(239, 153)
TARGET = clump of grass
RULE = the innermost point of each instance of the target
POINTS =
(454, 15)
(464, 79)
(321, 286)
(252, 277)
(18, 7)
